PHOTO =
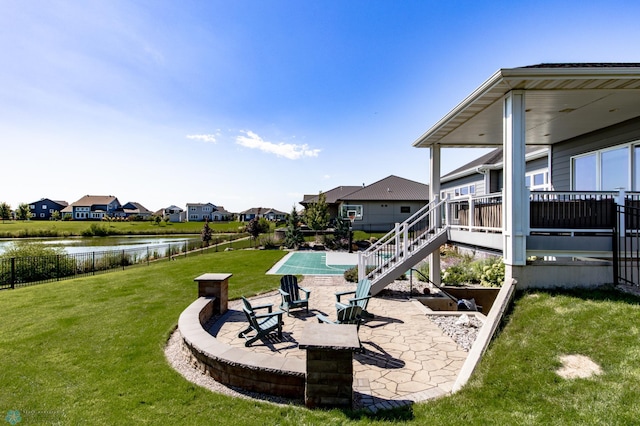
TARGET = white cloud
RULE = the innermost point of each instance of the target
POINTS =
(287, 150)
(204, 138)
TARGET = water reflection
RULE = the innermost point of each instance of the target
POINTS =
(75, 245)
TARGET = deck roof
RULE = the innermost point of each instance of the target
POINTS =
(562, 101)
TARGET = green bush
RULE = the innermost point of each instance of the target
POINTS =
(351, 275)
(96, 230)
(424, 270)
(493, 274)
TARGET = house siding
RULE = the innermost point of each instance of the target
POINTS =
(381, 216)
(477, 179)
(562, 152)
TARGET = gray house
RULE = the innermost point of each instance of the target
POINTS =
(258, 212)
(583, 232)
(44, 208)
(484, 175)
(198, 212)
(376, 207)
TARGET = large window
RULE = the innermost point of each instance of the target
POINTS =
(607, 169)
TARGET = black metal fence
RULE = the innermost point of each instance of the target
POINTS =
(626, 246)
(24, 271)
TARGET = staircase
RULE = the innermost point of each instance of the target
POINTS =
(403, 247)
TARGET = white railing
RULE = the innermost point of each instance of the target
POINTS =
(476, 213)
(403, 239)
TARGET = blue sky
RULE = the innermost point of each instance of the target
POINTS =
(255, 103)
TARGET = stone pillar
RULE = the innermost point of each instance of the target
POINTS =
(215, 285)
(329, 378)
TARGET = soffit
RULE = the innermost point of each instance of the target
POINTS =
(559, 104)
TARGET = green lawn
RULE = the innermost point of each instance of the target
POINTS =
(90, 351)
(47, 228)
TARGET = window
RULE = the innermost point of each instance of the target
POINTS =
(405, 209)
(537, 180)
(464, 190)
(41, 214)
(607, 169)
(193, 209)
(44, 207)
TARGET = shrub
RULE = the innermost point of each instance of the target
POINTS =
(268, 242)
(96, 230)
(351, 275)
(493, 275)
(424, 272)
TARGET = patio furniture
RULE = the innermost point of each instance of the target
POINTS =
(290, 292)
(361, 296)
(345, 314)
(260, 324)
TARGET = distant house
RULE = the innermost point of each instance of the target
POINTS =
(376, 207)
(379, 206)
(172, 214)
(484, 175)
(221, 215)
(332, 198)
(198, 212)
(44, 208)
(94, 207)
(135, 209)
(258, 212)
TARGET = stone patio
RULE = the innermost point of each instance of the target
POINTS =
(407, 357)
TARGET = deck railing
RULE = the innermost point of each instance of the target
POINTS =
(550, 212)
(401, 241)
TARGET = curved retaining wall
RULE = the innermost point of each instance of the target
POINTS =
(232, 366)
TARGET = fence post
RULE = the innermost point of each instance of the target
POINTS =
(13, 272)
(93, 263)
(616, 260)
(57, 267)
(147, 255)
(122, 260)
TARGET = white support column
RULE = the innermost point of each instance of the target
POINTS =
(434, 194)
(515, 203)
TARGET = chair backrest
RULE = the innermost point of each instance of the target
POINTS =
(351, 314)
(251, 318)
(363, 288)
(289, 283)
(247, 304)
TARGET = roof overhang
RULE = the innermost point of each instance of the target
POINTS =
(560, 103)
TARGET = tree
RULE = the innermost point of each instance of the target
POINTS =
(5, 211)
(341, 232)
(205, 235)
(256, 226)
(293, 235)
(316, 214)
(55, 215)
(24, 212)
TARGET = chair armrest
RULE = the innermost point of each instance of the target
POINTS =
(283, 293)
(324, 319)
(356, 299)
(270, 314)
(344, 293)
(268, 306)
(308, 292)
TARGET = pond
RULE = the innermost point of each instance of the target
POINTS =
(74, 245)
